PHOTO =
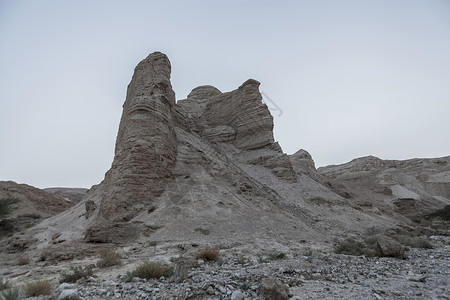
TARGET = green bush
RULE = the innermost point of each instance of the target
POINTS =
(38, 288)
(153, 270)
(76, 274)
(10, 294)
(109, 258)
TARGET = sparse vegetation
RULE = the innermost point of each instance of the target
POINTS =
(277, 256)
(209, 254)
(4, 284)
(271, 257)
(443, 213)
(244, 286)
(38, 288)
(108, 258)
(10, 294)
(23, 260)
(31, 216)
(129, 276)
(295, 282)
(76, 274)
(413, 241)
(241, 260)
(5, 205)
(352, 247)
(153, 270)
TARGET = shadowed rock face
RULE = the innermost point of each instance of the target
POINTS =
(146, 145)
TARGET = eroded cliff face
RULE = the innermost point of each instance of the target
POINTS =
(146, 145)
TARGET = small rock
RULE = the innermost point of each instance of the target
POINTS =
(237, 295)
(69, 294)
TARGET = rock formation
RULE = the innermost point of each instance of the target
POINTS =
(206, 169)
(146, 145)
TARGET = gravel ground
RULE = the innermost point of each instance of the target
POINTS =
(425, 274)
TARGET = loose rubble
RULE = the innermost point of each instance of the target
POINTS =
(423, 274)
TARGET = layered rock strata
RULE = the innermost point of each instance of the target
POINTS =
(146, 145)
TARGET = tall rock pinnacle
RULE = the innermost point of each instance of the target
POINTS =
(146, 144)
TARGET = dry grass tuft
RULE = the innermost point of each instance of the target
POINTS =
(152, 270)
(109, 258)
(210, 254)
(38, 288)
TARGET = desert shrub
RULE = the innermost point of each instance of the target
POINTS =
(244, 286)
(210, 254)
(31, 216)
(4, 284)
(10, 294)
(241, 260)
(277, 256)
(23, 260)
(413, 241)
(109, 258)
(5, 205)
(129, 276)
(443, 213)
(153, 270)
(352, 247)
(37, 288)
(271, 257)
(76, 274)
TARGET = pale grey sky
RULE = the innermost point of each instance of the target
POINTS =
(352, 78)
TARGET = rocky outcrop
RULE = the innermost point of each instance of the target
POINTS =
(241, 119)
(302, 161)
(146, 145)
(413, 187)
(28, 200)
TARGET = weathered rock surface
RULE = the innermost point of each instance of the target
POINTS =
(146, 145)
(273, 289)
(390, 247)
(73, 194)
(207, 170)
(413, 187)
(32, 201)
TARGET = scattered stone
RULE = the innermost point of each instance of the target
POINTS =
(237, 295)
(390, 247)
(273, 289)
(69, 294)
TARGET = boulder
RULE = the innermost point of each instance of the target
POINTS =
(273, 289)
(390, 248)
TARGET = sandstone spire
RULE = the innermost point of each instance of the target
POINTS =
(146, 145)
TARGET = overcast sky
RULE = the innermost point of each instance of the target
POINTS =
(347, 78)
